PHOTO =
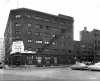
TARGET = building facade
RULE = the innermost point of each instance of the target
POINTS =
(2, 50)
(83, 51)
(93, 37)
(47, 39)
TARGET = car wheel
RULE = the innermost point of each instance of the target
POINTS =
(90, 69)
(72, 68)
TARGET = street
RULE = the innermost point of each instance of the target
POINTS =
(49, 74)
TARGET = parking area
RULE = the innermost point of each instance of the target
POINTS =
(49, 74)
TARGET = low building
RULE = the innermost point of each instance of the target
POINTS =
(2, 50)
(83, 51)
(93, 37)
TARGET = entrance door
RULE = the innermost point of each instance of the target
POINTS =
(63, 60)
(17, 60)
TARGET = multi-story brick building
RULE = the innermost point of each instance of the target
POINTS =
(48, 37)
(83, 51)
(94, 38)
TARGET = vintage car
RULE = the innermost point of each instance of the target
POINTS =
(79, 66)
(96, 66)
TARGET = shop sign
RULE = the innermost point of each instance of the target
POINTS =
(17, 46)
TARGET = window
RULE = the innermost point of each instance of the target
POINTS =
(64, 51)
(29, 24)
(47, 35)
(38, 33)
(29, 16)
(55, 29)
(69, 44)
(63, 44)
(17, 32)
(55, 50)
(84, 53)
(40, 41)
(77, 52)
(55, 43)
(69, 31)
(47, 19)
(90, 53)
(55, 21)
(17, 38)
(77, 45)
(38, 18)
(46, 49)
(29, 40)
(39, 49)
(63, 30)
(63, 37)
(29, 32)
(69, 51)
(47, 27)
(62, 23)
(29, 48)
(46, 42)
(38, 26)
(69, 37)
(55, 36)
(17, 16)
(83, 46)
(89, 46)
(17, 24)
(29, 57)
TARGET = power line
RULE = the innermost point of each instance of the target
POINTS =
(5, 3)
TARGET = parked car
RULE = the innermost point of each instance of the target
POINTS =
(79, 66)
(96, 66)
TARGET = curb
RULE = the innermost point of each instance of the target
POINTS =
(34, 67)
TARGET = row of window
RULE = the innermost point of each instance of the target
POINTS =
(47, 42)
(44, 19)
(54, 50)
(45, 27)
(83, 46)
(84, 53)
(40, 34)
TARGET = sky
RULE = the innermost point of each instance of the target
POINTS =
(86, 13)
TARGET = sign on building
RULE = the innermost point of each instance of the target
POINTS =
(17, 46)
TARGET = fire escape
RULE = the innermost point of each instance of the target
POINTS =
(54, 38)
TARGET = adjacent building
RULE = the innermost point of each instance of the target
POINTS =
(83, 51)
(2, 50)
(94, 38)
(36, 38)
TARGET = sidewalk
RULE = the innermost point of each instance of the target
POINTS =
(34, 67)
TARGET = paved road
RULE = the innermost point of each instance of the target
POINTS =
(49, 74)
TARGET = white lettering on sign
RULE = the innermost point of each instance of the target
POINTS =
(17, 46)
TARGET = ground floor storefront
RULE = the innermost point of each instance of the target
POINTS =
(86, 58)
(18, 59)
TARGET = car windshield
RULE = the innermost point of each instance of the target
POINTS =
(80, 64)
(97, 64)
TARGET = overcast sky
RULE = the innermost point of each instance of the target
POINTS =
(86, 13)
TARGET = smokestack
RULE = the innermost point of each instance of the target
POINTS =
(85, 29)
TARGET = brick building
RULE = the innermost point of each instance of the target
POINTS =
(47, 39)
(93, 37)
(83, 51)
